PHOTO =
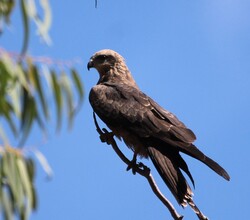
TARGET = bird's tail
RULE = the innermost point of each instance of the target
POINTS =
(194, 152)
(169, 169)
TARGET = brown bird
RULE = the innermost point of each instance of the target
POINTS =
(146, 128)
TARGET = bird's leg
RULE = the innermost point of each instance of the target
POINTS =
(106, 136)
(133, 165)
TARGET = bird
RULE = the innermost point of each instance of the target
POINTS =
(148, 129)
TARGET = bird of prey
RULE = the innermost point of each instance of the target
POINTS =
(145, 127)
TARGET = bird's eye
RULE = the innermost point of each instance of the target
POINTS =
(102, 58)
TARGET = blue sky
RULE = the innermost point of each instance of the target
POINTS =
(193, 58)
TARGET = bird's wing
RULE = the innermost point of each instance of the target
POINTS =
(121, 104)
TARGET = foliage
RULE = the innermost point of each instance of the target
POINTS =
(17, 190)
(25, 91)
(30, 87)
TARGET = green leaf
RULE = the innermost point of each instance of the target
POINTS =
(15, 71)
(58, 98)
(20, 198)
(31, 8)
(44, 163)
(31, 172)
(7, 206)
(47, 76)
(10, 173)
(67, 89)
(31, 168)
(38, 87)
(21, 76)
(44, 26)
(3, 136)
(1, 175)
(6, 8)
(79, 85)
(15, 97)
(27, 185)
(28, 114)
(17, 173)
(34, 200)
(4, 77)
(7, 190)
(26, 27)
(7, 109)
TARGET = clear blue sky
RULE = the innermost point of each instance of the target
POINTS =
(193, 57)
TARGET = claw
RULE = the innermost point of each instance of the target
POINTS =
(106, 137)
(133, 164)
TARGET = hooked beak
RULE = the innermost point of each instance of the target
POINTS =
(90, 64)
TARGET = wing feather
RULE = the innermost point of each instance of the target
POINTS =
(123, 105)
(128, 104)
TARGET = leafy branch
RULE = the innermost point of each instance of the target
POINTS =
(17, 190)
(25, 95)
(29, 88)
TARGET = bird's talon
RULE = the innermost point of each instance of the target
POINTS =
(141, 165)
(107, 137)
(133, 166)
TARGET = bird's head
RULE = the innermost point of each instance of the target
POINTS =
(104, 60)
(111, 67)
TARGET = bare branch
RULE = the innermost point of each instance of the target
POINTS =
(197, 211)
(140, 168)
(42, 59)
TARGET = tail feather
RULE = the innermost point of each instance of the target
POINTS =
(170, 172)
(193, 151)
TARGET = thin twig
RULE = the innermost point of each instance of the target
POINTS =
(200, 215)
(42, 59)
(143, 170)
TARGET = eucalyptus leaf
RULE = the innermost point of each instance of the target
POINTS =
(15, 97)
(19, 188)
(44, 26)
(4, 78)
(7, 109)
(40, 91)
(7, 206)
(3, 136)
(26, 27)
(10, 174)
(44, 162)
(31, 172)
(20, 73)
(30, 168)
(31, 8)
(15, 71)
(68, 94)
(58, 98)
(27, 185)
(28, 114)
(34, 200)
(7, 196)
(6, 8)
(78, 85)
